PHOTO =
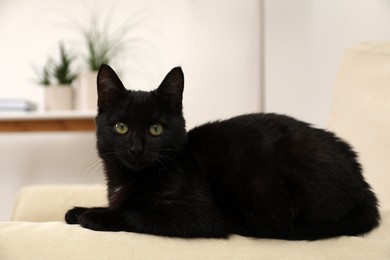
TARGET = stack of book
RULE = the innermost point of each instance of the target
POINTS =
(16, 105)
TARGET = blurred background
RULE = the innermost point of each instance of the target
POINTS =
(238, 57)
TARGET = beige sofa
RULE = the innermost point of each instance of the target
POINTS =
(360, 114)
(53, 239)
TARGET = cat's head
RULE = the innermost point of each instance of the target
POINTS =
(136, 128)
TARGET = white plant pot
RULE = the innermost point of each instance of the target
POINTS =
(85, 94)
(58, 97)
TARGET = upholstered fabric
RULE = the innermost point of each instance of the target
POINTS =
(24, 239)
(57, 240)
(50, 203)
(361, 111)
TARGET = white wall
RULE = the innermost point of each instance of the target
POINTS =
(215, 41)
(304, 41)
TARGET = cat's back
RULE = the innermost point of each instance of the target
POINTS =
(263, 133)
(266, 143)
(254, 125)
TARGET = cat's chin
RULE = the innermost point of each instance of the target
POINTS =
(136, 165)
(133, 166)
(133, 163)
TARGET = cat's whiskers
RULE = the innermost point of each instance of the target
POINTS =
(96, 165)
(86, 168)
(170, 161)
(163, 165)
(170, 150)
(92, 164)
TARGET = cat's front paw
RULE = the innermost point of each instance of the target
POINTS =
(99, 220)
(73, 215)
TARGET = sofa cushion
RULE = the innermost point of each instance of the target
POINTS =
(57, 240)
(361, 111)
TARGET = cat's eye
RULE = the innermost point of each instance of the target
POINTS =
(121, 128)
(155, 129)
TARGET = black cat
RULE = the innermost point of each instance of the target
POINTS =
(259, 175)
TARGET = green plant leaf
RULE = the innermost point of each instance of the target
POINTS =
(62, 69)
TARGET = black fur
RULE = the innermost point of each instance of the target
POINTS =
(259, 175)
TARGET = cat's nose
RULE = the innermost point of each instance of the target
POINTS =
(137, 150)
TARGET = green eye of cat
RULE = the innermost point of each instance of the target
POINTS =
(121, 128)
(155, 129)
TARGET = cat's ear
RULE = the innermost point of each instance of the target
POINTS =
(109, 86)
(171, 89)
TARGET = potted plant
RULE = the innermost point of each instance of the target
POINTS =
(97, 54)
(58, 96)
(102, 46)
(44, 74)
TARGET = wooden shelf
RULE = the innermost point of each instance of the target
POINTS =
(83, 121)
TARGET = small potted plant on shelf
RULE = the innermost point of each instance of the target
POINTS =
(98, 49)
(44, 74)
(58, 96)
(102, 47)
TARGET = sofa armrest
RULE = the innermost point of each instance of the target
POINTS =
(50, 203)
(360, 111)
